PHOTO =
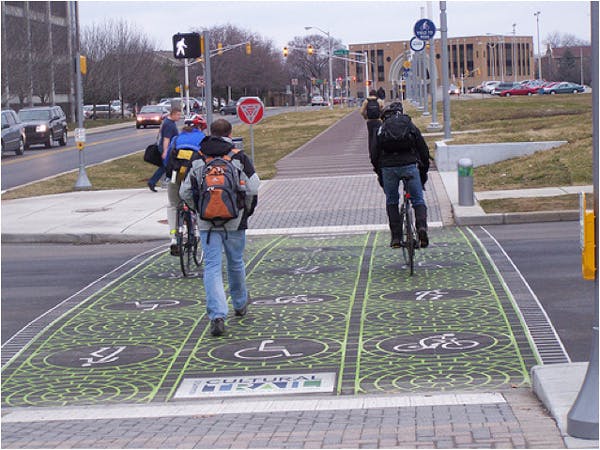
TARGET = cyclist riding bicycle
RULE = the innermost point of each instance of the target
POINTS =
(399, 150)
(182, 151)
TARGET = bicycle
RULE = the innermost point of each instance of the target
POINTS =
(409, 239)
(187, 239)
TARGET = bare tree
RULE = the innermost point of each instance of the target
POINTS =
(120, 64)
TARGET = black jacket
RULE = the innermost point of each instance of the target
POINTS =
(389, 154)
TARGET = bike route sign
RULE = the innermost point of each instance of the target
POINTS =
(334, 314)
(424, 29)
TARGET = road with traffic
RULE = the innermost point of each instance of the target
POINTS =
(38, 162)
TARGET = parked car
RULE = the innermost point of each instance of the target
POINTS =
(151, 115)
(13, 133)
(502, 86)
(453, 90)
(564, 87)
(519, 89)
(488, 86)
(317, 100)
(229, 108)
(44, 124)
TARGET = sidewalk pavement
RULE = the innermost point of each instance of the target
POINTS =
(138, 215)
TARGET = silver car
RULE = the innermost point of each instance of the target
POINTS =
(13, 133)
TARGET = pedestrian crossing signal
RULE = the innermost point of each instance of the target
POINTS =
(187, 45)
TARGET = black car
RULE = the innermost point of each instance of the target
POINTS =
(44, 124)
(13, 134)
(229, 108)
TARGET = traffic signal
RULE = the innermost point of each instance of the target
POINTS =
(285, 52)
(201, 45)
(310, 49)
(248, 48)
(219, 48)
(82, 64)
(368, 82)
(178, 89)
(354, 78)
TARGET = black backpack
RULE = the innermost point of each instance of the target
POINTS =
(373, 111)
(397, 130)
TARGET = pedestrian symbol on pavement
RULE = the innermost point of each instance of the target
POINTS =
(186, 45)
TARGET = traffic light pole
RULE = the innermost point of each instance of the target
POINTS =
(83, 182)
(208, 80)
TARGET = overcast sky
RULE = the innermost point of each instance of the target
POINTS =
(349, 21)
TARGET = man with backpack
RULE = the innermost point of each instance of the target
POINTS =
(371, 110)
(222, 187)
(400, 150)
(182, 150)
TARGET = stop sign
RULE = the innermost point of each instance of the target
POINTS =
(250, 110)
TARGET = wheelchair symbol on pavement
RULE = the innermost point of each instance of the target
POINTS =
(265, 350)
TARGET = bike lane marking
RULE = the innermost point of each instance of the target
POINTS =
(453, 315)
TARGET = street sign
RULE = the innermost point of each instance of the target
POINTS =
(417, 44)
(200, 81)
(250, 110)
(186, 45)
(341, 52)
(424, 29)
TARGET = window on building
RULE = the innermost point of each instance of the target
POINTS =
(380, 66)
(470, 63)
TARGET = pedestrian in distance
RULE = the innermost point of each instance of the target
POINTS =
(381, 93)
(228, 235)
(168, 130)
(400, 150)
(371, 110)
(178, 162)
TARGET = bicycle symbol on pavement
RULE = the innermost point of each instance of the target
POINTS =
(104, 356)
(265, 350)
(151, 305)
(446, 341)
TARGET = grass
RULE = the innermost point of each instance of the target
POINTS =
(274, 137)
(557, 117)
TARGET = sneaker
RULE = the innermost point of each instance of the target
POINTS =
(217, 326)
(242, 311)
(395, 243)
(174, 249)
(423, 238)
(152, 187)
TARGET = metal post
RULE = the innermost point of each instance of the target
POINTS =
(208, 81)
(444, 34)
(330, 73)
(187, 86)
(433, 125)
(366, 74)
(83, 181)
(465, 182)
(582, 419)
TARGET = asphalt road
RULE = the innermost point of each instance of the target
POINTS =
(38, 277)
(38, 162)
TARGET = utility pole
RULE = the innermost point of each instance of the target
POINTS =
(208, 100)
(537, 16)
(433, 125)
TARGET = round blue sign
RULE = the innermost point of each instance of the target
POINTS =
(417, 44)
(424, 29)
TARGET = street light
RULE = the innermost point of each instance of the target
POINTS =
(330, 67)
(537, 16)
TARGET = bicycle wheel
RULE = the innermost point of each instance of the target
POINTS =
(185, 241)
(408, 233)
(198, 253)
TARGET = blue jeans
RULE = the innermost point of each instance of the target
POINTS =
(234, 244)
(160, 171)
(391, 184)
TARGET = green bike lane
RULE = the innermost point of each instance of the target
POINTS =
(329, 313)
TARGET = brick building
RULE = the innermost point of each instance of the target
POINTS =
(37, 54)
(471, 60)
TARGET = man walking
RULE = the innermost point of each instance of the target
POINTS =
(231, 235)
(168, 130)
(371, 110)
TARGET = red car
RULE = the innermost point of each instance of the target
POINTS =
(151, 115)
(519, 90)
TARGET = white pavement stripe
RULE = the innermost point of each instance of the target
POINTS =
(329, 229)
(11, 415)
